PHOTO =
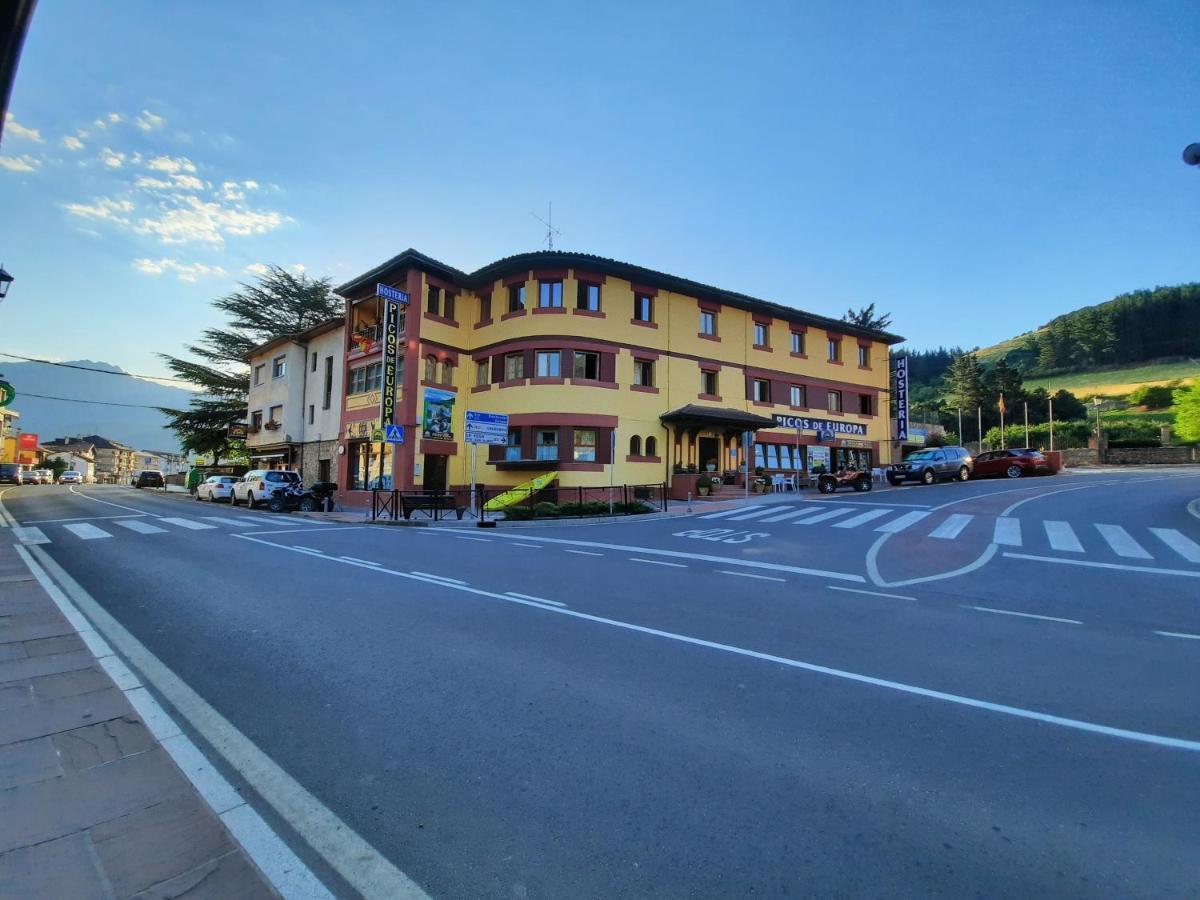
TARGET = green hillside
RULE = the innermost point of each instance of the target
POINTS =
(1114, 382)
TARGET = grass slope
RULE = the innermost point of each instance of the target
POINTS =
(1118, 381)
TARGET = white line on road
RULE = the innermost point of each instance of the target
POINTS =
(722, 513)
(438, 577)
(1062, 536)
(754, 513)
(365, 562)
(308, 550)
(1122, 543)
(583, 552)
(1009, 612)
(529, 546)
(1153, 570)
(657, 562)
(824, 517)
(30, 534)
(952, 527)
(86, 532)
(834, 587)
(110, 503)
(1184, 546)
(139, 526)
(467, 537)
(534, 599)
(792, 513)
(191, 524)
(245, 522)
(751, 575)
(862, 518)
(82, 519)
(1179, 634)
(898, 686)
(1007, 532)
(899, 524)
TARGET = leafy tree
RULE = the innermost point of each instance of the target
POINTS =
(57, 465)
(964, 383)
(1068, 407)
(1152, 396)
(280, 303)
(1186, 407)
(866, 318)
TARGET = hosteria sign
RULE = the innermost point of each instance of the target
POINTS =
(804, 423)
(393, 303)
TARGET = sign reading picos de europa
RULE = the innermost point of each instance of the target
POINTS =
(393, 303)
(804, 423)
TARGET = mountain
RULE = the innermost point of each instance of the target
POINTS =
(143, 429)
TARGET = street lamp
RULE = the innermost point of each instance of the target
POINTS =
(5, 281)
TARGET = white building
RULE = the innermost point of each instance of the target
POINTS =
(80, 457)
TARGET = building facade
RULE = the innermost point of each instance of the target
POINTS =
(114, 460)
(9, 429)
(600, 363)
(294, 413)
(79, 457)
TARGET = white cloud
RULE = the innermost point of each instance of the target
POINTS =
(250, 185)
(188, 182)
(189, 272)
(195, 219)
(104, 208)
(298, 268)
(171, 164)
(72, 143)
(152, 184)
(20, 163)
(114, 118)
(257, 269)
(148, 121)
(112, 158)
(13, 128)
(231, 190)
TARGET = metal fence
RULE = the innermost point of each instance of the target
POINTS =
(568, 502)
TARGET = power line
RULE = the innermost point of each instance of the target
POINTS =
(50, 362)
(94, 402)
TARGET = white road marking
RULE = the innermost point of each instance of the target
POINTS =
(86, 532)
(191, 524)
(1122, 543)
(657, 562)
(529, 546)
(1007, 532)
(110, 503)
(1184, 546)
(898, 686)
(902, 522)
(862, 518)
(791, 513)
(82, 519)
(583, 552)
(466, 537)
(230, 520)
(139, 526)
(824, 517)
(30, 534)
(534, 599)
(952, 527)
(308, 550)
(834, 587)
(722, 513)
(1062, 536)
(751, 575)
(1153, 570)
(1179, 634)
(438, 577)
(365, 562)
(754, 513)
(1009, 612)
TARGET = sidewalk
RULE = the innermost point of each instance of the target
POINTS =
(91, 804)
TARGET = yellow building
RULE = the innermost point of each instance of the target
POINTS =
(596, 363)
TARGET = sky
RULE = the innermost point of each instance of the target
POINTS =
(973, 169)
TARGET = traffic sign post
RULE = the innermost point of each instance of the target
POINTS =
(483, 428)
(394, 434)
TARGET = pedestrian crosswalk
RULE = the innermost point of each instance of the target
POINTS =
(100, 529)
(1095, 538)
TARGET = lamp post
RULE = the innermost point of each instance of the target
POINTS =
(5, 281)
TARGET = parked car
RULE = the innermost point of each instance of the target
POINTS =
(1013, 463)
(149, 478)
(47, 475)
(30, 476)
(259, 485)
(10, 473)
(70, 476)
(216, 487)
(931, 464)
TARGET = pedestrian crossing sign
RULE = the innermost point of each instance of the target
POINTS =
(395, 434)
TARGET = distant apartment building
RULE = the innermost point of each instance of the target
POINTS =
(294, 411)
(9, 428)
(79, 456)
(114, 460)
(165, 461)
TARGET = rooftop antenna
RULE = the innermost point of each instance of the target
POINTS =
(551, 231)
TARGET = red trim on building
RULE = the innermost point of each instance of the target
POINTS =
(516, 278)
(549, 274)
(481, 387)
(709, 337)
(587, 382)
(433, 317)
(549, 310)
(439, 448)
(516, 382)
(643, 324)
(644, 388)
(483, 323)
(643, 459)
(593, 313)
(578, 420)
(547, 380)
(514, 314)
(643, 289)
(441, 387)
(714, 397)
(590, 277)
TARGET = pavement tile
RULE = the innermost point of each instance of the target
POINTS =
(230, 876)
(104, 742)
(15, 650)
(66, 643)
(35, 666)
(63, 714)
(31, 627)
(50, 809)
(62, 868)
(158, 843)
(27, 762)
(70, 684)
(15, 693)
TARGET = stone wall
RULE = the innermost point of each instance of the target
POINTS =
(1080, 456)
(1131, 456)
(311, 454)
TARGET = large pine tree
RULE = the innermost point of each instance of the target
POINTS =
(280, 303)
(964, 383)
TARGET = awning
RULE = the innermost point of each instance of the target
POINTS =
(716, 417)
(267, 455)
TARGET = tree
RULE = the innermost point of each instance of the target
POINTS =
(57, 465)
(280, 303)
(1186, 407)
(964, 383)
(1068, 407)
(866, 318)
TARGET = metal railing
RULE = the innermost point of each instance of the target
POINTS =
(549, 502)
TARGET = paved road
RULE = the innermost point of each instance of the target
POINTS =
(991, 688)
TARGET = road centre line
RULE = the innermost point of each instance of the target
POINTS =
(529, 546)
(1153, 570)
(534, 599)
(467, 537)
(1009, 612)
(307, 550)
(323, 530)
(843, 674)
(365, 562)
(658, 562)
(583, 552)
(439, 577)
(1179, 634)
(834, 587)
(752, 575)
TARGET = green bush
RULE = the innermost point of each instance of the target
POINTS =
(546, 510)
(1152, 396)
(704, 481)
(518, 513)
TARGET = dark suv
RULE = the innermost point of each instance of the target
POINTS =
(932, 463)
(149, 478)
(10, 473)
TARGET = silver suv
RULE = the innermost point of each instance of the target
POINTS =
(932, 463)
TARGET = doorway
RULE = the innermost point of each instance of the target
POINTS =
(435, 473)
(710, 452)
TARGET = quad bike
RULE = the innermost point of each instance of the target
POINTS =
(828, 483)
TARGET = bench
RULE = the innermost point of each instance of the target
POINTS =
(433, 505)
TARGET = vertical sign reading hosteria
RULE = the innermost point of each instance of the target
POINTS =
(393, 303)
(902, 398)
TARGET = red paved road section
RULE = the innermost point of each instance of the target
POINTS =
(90, 804)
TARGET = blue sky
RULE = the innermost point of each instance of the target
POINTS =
(974, 169)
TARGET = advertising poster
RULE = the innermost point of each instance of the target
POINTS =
(437, 415)
(818, 456)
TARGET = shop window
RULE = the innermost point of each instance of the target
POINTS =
(433, 300)
(762, 390)
(760, 335)
(864, 404)
(447, 372)
(835, 349)
(431, 368)
(785, 456)
(587, 366)
(279, 367)
(652, 446)
(588, 297)
(485, 308)
(798, 342)
(834, 403)
(550, 294)
(643, 308)
(547, 444)
(708, 323)
(512, 450)
(514, 366)
(585, 445)
(549, 364)
(365, 378)
(708, 383)
(772, 456)
(864, 357)
(796, 395)
(635, 446)
(516, 297)
(643, 372)
(364, 466)
(483, 372)
(760, 457)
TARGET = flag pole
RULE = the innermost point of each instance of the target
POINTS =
(961, 436)
(1026, 423)
(979, 412)
(1003, 440)
(1051, 401)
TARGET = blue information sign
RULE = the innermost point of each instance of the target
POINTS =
(394, 434)
(391, 293)
(486, 428)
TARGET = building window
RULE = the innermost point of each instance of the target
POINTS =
(312, 413)
(483, 372)
(314, 362)
(433, 300)
(275, 414)
(258, 372)
(588, 297)
(760, 335)
(835, 349)
(364, 464)
(549, 364)
(585, 445)
(514, 366)
(365, 378)
(327, 391)
(796, 395)
(762, 390)
(643, 308)
(864, 404)
(834, 403)
(708, 383)
(256, 420)
(550, 294)
(485, 308)
(635, 446)
(516, 297)
(431, 368)
(643, 372)
(652, 446)
(447, 372)
(708, 323)
(587, 366)
(279, 367)
(798, 342)
(512, 450)
(864, 356)
(546, 445)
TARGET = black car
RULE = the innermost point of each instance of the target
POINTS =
(149, 478)
(10, 473)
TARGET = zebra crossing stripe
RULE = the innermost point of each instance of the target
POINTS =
(30, 534)
(1062, 536)
(952, 527)
(862, 518)
(722, 513)
(1122, 543)
(753, 514)
(140, 526)
(86, 531)
(186, 523)
(224, 520)
(899, 524)
(823, 517)
(792, 513)
(1184, 546)
(1007, 532)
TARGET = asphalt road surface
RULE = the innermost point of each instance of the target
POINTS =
(984, 689)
